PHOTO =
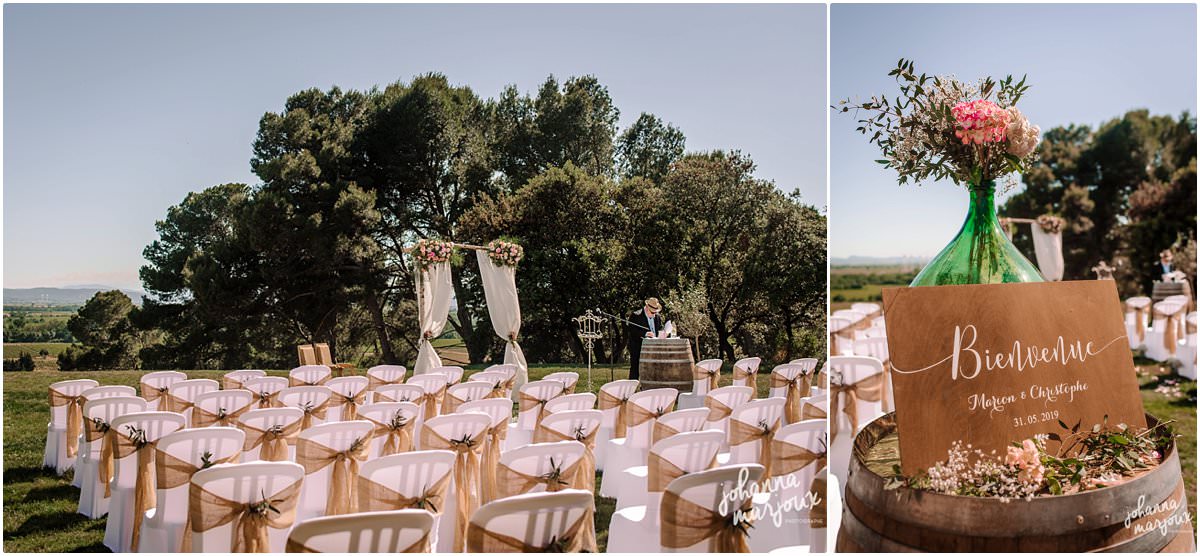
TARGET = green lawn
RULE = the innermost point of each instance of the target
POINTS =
(39, 507)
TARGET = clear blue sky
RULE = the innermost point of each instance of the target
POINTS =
(113, 113)
(1086, 64)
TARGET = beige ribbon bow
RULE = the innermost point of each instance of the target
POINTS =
(74, 417)
(222, 418)
(350, 404)
(511, 482)
(639, 414)
(751, 378)
(713, 376)
(311, 411)
(314, 456)
(375, 497)
(717, 410)
(741, 432)
(96, 429)
(466, 473)
(433, 401)
(789, 458)
(796, 387)
(481, 540)
(491, 461)
(529, 403)
(374, 382)
(266, 399)
(297, 381)
(685, 523)
(610, 401)
(868, 389)
(143, 488)
(274, 441)
(1170, 334)
(172, 472)
(250, 520)
(1139, 314)
(397, 433)
(151, 393)
(661, 430)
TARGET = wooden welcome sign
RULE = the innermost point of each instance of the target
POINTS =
(993, 364)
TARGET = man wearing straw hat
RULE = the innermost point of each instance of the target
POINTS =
(643, 323)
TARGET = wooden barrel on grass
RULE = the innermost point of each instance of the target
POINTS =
(1147, 513)
(666, 363)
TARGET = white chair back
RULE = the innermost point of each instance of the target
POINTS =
(388, 531)
(876, 347)
(700, 386)
(839, 327)
(191, 446)
(465, 392)
(811, 436)
(410, 474)
(619, 389)
(728, 396)
(382, 413)
(568, 378)
(244, 483)
(655, 401)
(309, 375)
(750, 364)
(691, 452)
(264, 385)
(229, 401)
(685, 420)
(187, 391)
(571, 423)
(542, 390)
(387, 373)
(571, 402)
(234, 379)
(707, 489)
(345, 387)
(536, 518)
(755, 413)
(71, 388)
(105, 410)
(265, 419)
(156, 381)
(101, 392)
(848, 370)
(453, 374)
(790, 371)
(339, 437)
(400, 393)
(498, 409)
(541, 459)
(301, 397)
(155, 425)
(868, 309)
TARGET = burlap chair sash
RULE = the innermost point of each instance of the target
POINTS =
(222, 418)
(374, 497)
(310, 411)
(717, 410)
(660, 431)
(639, 414)
(97, 429)
(811, 411)
(231, 382)
(151, 393)
(397, 434)
(451, 403)
(869, 389)
(481, 540)
(250, 520)
(1140, 312)
(274, 441)
(527, 402)
(750, 376)
(433, 401)
(74, 417)
(135, 444)
(499, 390)
(685, 523)
(172, 472)
(266, 400)
(796, 387)
(420, 547)
(374, 382)
(297, 381)
(818, 518)
(789, 458)
(175, 403)
(585, 478)
(607, 400)
(741, 433)
(466, 473)
(382, 397)
(510, 482)
(314, 456)
(712, 376)
(491, 461)
(660, 472)
(349, 404)
(1171, 333)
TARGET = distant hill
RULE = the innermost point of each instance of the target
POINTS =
(857, 260)
(61, 296)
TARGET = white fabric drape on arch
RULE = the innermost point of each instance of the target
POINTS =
(434, 290)
(1048, 249)
(500, 290)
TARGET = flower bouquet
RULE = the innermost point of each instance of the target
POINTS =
(504, 253)
(940, 128)
(427, 252)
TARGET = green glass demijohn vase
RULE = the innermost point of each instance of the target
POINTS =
(981, 253)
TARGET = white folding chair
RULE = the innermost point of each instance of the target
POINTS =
(841, 331)
(148, 426)
(612, 401)
(534, 396)
(497, 380)
(675, 422)
(671, 457)
(792, 473)
(309, 375)
(380, 375)
(499, 410)
(546, 466)
(400, 393)
(750, 366)
(349, 392)
(579, 425)
(631, 530)
(849, 372)
(453, 373)
(220, 408)
(748, 429)
(434, 387)
(569, 402)
(537, 520)
(465, 432)
(391, 418)
(314, 401)
(412, 480)
(720, 404)
(704, 375)
(246, 485)
(568, 378)
(460, 393)
(1167, 324)
(789, 371)
(66, 402)
(510, 373)
(318, 494)
(623, 453)
(815, 408)
(186, 451)
(878, 348)
(394, 531)
(98, 416)
(268, 425)
(233, 380)
(1137, 309)
(153, 385)
(183, 394)
(265, 390)
(97, 393)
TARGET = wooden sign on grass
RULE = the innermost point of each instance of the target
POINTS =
(993, 364)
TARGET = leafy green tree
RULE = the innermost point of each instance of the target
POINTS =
(648, 148)
(102, 326)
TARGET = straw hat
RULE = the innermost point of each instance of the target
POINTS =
(654, 304)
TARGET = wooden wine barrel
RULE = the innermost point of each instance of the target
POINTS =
(907, 520)
(666, 363)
